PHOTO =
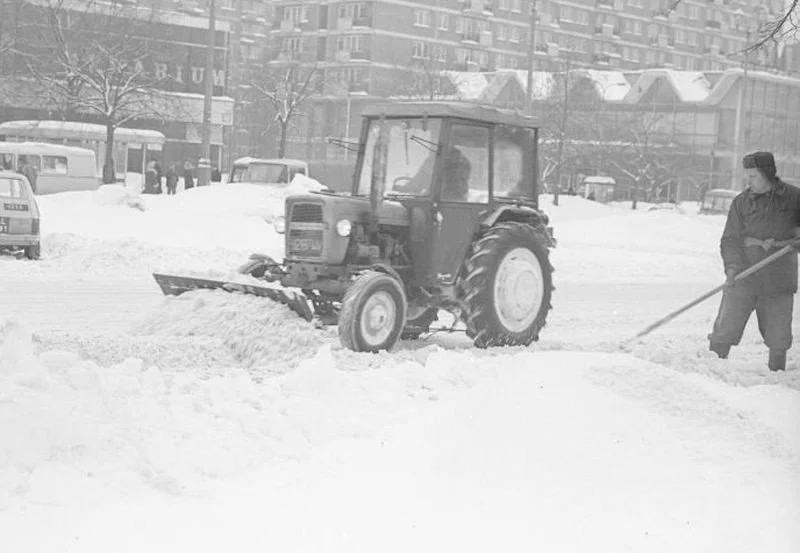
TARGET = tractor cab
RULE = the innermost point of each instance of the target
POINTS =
(450, 164)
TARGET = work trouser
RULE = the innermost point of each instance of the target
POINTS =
(774, 317)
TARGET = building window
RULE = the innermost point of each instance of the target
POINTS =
(505, 4)
(691, 38)
(440, 53)
(501, 32)
(352, 10)
(297, 14)
(444, 21)
(514, 34)
(349, 43)
(574, 15)
(635, 3)
(694, 12)
(292, 45)
(422, 18)
(650, 57)
(680, 36)
(636, 55)
(689, 63)
(420, 50)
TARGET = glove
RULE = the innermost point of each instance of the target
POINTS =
(730, 278)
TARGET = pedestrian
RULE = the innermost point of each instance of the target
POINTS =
(216, 175)
(762, 219)
(172, 179)
(188, 175)
(25, 167)
(151, 184)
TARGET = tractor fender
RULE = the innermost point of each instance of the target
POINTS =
(519, 214)
(389, 270)
(522, 214)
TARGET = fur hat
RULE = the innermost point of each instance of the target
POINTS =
(763, 161)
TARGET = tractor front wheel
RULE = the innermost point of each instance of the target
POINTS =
(506, 287)
(373, 313)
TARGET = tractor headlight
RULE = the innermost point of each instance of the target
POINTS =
(344, 227)
(280, 224)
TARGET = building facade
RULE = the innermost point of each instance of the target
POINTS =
(169, 50)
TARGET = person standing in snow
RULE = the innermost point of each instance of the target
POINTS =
(188, 175)
(171, 179)
(762, 219)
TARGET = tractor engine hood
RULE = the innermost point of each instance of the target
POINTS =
(354, 208)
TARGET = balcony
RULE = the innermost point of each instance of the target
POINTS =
(344, 23)
(713, 24)
(486, 38)
(286, 26)
(602, 58)
(608, 4)
(471, 36)
(365, 21)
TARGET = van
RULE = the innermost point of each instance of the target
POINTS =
(19, 215)
(56, 168)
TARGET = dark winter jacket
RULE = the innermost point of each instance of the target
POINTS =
(772, 215)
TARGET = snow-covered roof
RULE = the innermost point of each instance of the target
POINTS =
(611, 86)
(469, 85)
(542, 82)
(75, 130)
(689, 86)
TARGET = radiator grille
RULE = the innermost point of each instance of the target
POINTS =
(306, 213)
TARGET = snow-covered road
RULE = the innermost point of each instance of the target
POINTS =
(214, 421)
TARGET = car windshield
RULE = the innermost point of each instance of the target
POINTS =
(10, 188)
(270, 173)
(410, 155)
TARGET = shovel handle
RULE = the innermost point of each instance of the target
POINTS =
(744, 274)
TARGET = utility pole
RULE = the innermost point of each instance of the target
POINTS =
(531, 50)
(736, 183)
(204, 163)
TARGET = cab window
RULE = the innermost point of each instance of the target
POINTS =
(465, 174)
(54, 164)
(513, 162)
(10, 188)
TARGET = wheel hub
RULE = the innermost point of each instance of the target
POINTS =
(378, 318)
(518, 289)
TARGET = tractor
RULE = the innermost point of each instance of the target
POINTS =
(443, 215)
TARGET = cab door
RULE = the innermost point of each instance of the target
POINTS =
(461, 195)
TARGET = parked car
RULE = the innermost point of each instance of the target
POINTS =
(273, 172)
(19, 216)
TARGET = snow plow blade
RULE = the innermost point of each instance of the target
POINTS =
(176, 285)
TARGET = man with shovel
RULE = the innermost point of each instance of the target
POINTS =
(762, 219)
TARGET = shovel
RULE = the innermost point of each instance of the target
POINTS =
(744, 274)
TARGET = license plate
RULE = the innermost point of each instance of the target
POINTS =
(309, 245)
(3, 225)
(15, 207)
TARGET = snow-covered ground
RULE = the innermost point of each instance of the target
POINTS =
(212, 421)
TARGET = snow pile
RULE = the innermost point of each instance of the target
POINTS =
(179, 432)
(259, 332)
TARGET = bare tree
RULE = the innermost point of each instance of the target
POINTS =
(785, 22)
(93, 61)
(286, 88)
(650, 154)
(9, 26)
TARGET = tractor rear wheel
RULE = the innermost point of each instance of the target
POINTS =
(506, 286)
(373, 313)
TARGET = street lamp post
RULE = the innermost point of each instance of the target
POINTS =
(531, 53)
(204, 163)
(737, 130)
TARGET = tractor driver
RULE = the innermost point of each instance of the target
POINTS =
(455, 177)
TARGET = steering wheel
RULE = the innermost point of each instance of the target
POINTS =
(401, 179)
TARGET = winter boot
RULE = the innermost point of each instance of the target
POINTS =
(722, 350)
(777, 360)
